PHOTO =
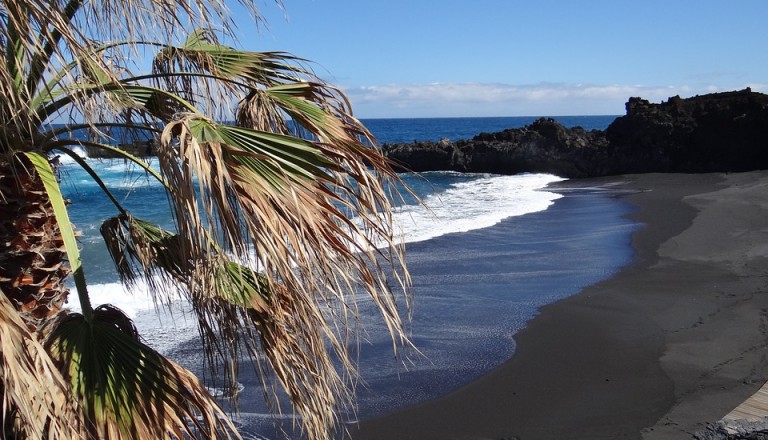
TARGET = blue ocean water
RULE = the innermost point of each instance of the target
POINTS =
(487, 254)
(434, 129)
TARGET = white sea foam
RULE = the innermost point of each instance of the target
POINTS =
(65, 159)
(162, 328)
(475, 204)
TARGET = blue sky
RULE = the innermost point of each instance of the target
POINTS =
(432, 58)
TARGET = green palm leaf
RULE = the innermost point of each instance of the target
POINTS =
(126, 389)
(202, 53)
(153, 100)
(43, 168)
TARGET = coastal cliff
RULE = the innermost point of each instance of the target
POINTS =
(718, 132)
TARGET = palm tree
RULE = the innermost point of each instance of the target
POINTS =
(282, 220)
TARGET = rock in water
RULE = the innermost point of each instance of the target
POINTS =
(718, 132)
(544, 146)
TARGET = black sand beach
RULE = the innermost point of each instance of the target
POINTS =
(673, 341)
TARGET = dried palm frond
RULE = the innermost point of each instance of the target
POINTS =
(51, 43)
(141, 249)
(241, 310)
(290, 199)
(37, 408)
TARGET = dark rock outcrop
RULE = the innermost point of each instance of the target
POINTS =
(544, 146)
(715, 132)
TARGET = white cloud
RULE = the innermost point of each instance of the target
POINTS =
(486, 99)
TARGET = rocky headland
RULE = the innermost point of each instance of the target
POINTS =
(719, 132)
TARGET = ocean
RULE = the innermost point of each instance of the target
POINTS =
(434, 129)
(489, 252)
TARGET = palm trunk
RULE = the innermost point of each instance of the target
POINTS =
(32, 257)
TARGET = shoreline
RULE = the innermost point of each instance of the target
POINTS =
(671, 342)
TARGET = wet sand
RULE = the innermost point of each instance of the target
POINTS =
(673, 341)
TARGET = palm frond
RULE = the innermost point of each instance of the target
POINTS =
(292, 201)
(139, 98)
(226, 162)
(293, 339)
(48, 44)
(142, 250)
(241, 310)
(33, 390)
(245, 311)
(259, 111)
(202, 53)
(126, 389)
(207, 73)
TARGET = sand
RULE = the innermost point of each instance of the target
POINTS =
(673, 341)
